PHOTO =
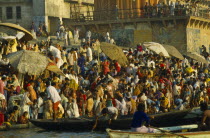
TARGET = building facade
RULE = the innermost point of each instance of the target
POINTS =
(51, 12)
(185, 25)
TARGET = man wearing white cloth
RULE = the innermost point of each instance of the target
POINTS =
(57, 54)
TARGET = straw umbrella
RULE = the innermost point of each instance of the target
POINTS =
(13, 28)
(28, 62)
(173, 51)
(196, 57)
(32, 63)
(157, 48)
(115, 53)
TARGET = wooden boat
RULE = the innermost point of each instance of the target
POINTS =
(194, 116)
(124, 134)
(123, 122)
(16, 126)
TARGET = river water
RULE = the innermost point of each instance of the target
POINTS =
(40, 133)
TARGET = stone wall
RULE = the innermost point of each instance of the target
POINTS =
(170, 34)
(196, 38)
(204, 33)
(57, 8)
(26, 14)
(132, 35)
(193, 40)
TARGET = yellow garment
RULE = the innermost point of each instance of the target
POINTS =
(133, 104)
(201, 99)
(42, 87)
(208, 80)
(36, 48)
(59, 115)
(206, 71)
(56, 80)
(13, 44)
(73, 84)
(90, 104)
(165, 103)
(136, 91)
(7, 124)
(152, 73)
(70, 34)
(189, 70)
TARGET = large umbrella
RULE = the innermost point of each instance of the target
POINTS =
(32, 63)
(28, 62)
(157, 48)
(114, 52)
(54, 68)
(173, 51)
(8, 37)
(196, 57)
(8, 27)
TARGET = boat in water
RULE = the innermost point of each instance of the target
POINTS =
(162, 133)
(16, 126)
(124, 134)
(123, 122)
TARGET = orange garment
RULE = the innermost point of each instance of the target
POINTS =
(105, 66)
(32, 92)
(55, 106)
(90, 104)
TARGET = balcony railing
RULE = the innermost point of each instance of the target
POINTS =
(118, 14)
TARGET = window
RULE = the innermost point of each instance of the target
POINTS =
(0, 13)
(18, 12)
(9, 12)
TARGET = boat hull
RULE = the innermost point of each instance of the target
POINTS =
(16, 126)
(124, 134)
(86, 124)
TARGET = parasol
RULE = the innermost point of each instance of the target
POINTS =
(8, 37)
(196, 57)
(20, 35)
(28, 62)
(13, 28)
(173, 51)
(114, 52)
(157, 48)
(32, 63)
(54, 68)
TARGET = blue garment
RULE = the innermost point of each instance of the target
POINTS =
(103, 58)
(138, 118)
(149, 101)
(81, 61)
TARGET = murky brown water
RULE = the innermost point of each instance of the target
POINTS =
(40, 133)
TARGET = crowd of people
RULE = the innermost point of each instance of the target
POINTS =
(152, 10)
(93, 84)
(173, 9)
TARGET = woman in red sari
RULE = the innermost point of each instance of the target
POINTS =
(117, 66)
(105, 67)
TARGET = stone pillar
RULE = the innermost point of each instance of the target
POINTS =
(118, 3)
(108, 11)
(156, 2)
(153, 2)
(137, 8)
(124, 9)
(127, 8)
(143, 2)
(95, 5)
(131, 8)
(121, 12)
(96, 9)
